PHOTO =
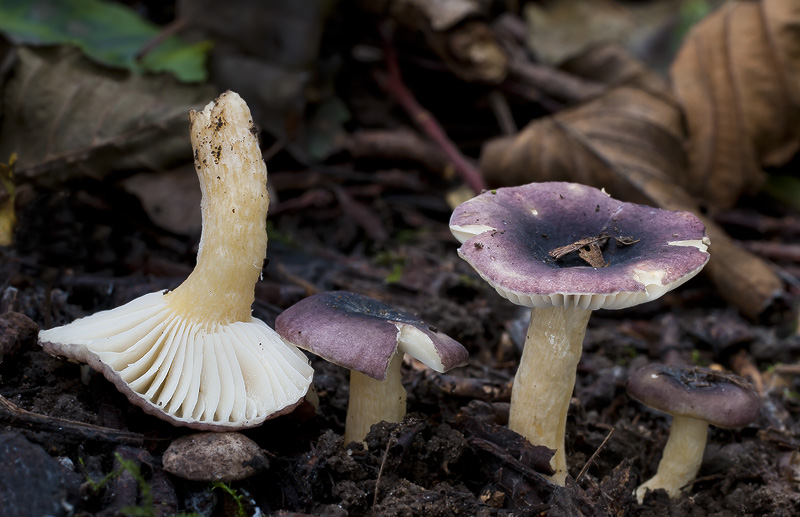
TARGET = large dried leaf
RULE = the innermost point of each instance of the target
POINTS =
(628, 141)
(738, 79)
(65, 116)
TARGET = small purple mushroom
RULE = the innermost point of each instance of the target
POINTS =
(564, 250)
(369, 338)
(695, 397)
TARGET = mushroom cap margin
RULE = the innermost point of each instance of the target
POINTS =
(723, 400)
(145, 350)
(363, 334)
(506, 235)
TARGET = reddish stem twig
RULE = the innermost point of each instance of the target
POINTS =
(169, 30)
(392, 83)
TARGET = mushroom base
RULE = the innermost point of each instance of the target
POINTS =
(682, 457)
(373, 401)
(545, 380)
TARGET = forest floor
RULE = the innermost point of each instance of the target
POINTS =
(363, 184)
(451, 455)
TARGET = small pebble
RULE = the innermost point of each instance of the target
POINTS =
(212, 457)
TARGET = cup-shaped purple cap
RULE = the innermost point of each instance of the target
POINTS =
(508, 235)
(363, 334)
(721, 399)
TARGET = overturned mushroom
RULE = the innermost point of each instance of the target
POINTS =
(369, 338)
(695, 397)
(195, 356)
(508, 235)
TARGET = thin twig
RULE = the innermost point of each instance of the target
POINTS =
(594, 455)
(502, 112)
(11, 414)
(392, 82)
(170, 29)
(380, 474)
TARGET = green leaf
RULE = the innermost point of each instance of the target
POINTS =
(108, 32)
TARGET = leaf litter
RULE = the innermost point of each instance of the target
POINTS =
(365, 221)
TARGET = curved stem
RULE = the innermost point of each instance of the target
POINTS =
(682, 457)
(546, 378)
(373, 401)
(233, 180)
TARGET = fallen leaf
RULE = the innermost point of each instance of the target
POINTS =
(628, 141)
(170, 198)
(737, 77)
(108, 32)
(456, 30)
(559, 30)
(627, 132)
(68, 117)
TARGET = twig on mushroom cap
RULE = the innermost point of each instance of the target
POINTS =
(506, 236)
(196, 356)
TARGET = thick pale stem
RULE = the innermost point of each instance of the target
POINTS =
(682, 457)
(546, 378)
(372, 401)
(233, 180)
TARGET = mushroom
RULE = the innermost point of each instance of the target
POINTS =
(369, 338)
(695, 397)
(196, 356)
(522, 241)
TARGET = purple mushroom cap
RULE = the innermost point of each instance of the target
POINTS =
(363, 334)
(508, 234)
(723, 400)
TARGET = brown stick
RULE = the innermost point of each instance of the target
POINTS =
(170, 29)
(11, 414)
(774, 250)
(593, 456)
(392, 83)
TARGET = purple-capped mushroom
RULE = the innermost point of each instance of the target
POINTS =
(369, 338)
(565, 249)
(695, 397)
(195, 356)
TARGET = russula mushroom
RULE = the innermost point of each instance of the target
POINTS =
(523, 241)
(695, 397)
(196, 356)
(369, 338)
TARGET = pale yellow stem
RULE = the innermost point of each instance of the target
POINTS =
(233, 180)
(546, 378)
(682, 457)
(373, 401)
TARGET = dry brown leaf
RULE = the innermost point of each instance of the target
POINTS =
(562, 29)
(628, 141)
(170, 198)
(627, 132)
(738, 79)
(65, 117)
(455, 30)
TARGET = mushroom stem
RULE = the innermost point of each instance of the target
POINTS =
(233, 179)
(373, 401)
(545, 380)
(682, 457)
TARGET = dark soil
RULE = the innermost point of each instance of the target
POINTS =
(71, 444)
(93, 248)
